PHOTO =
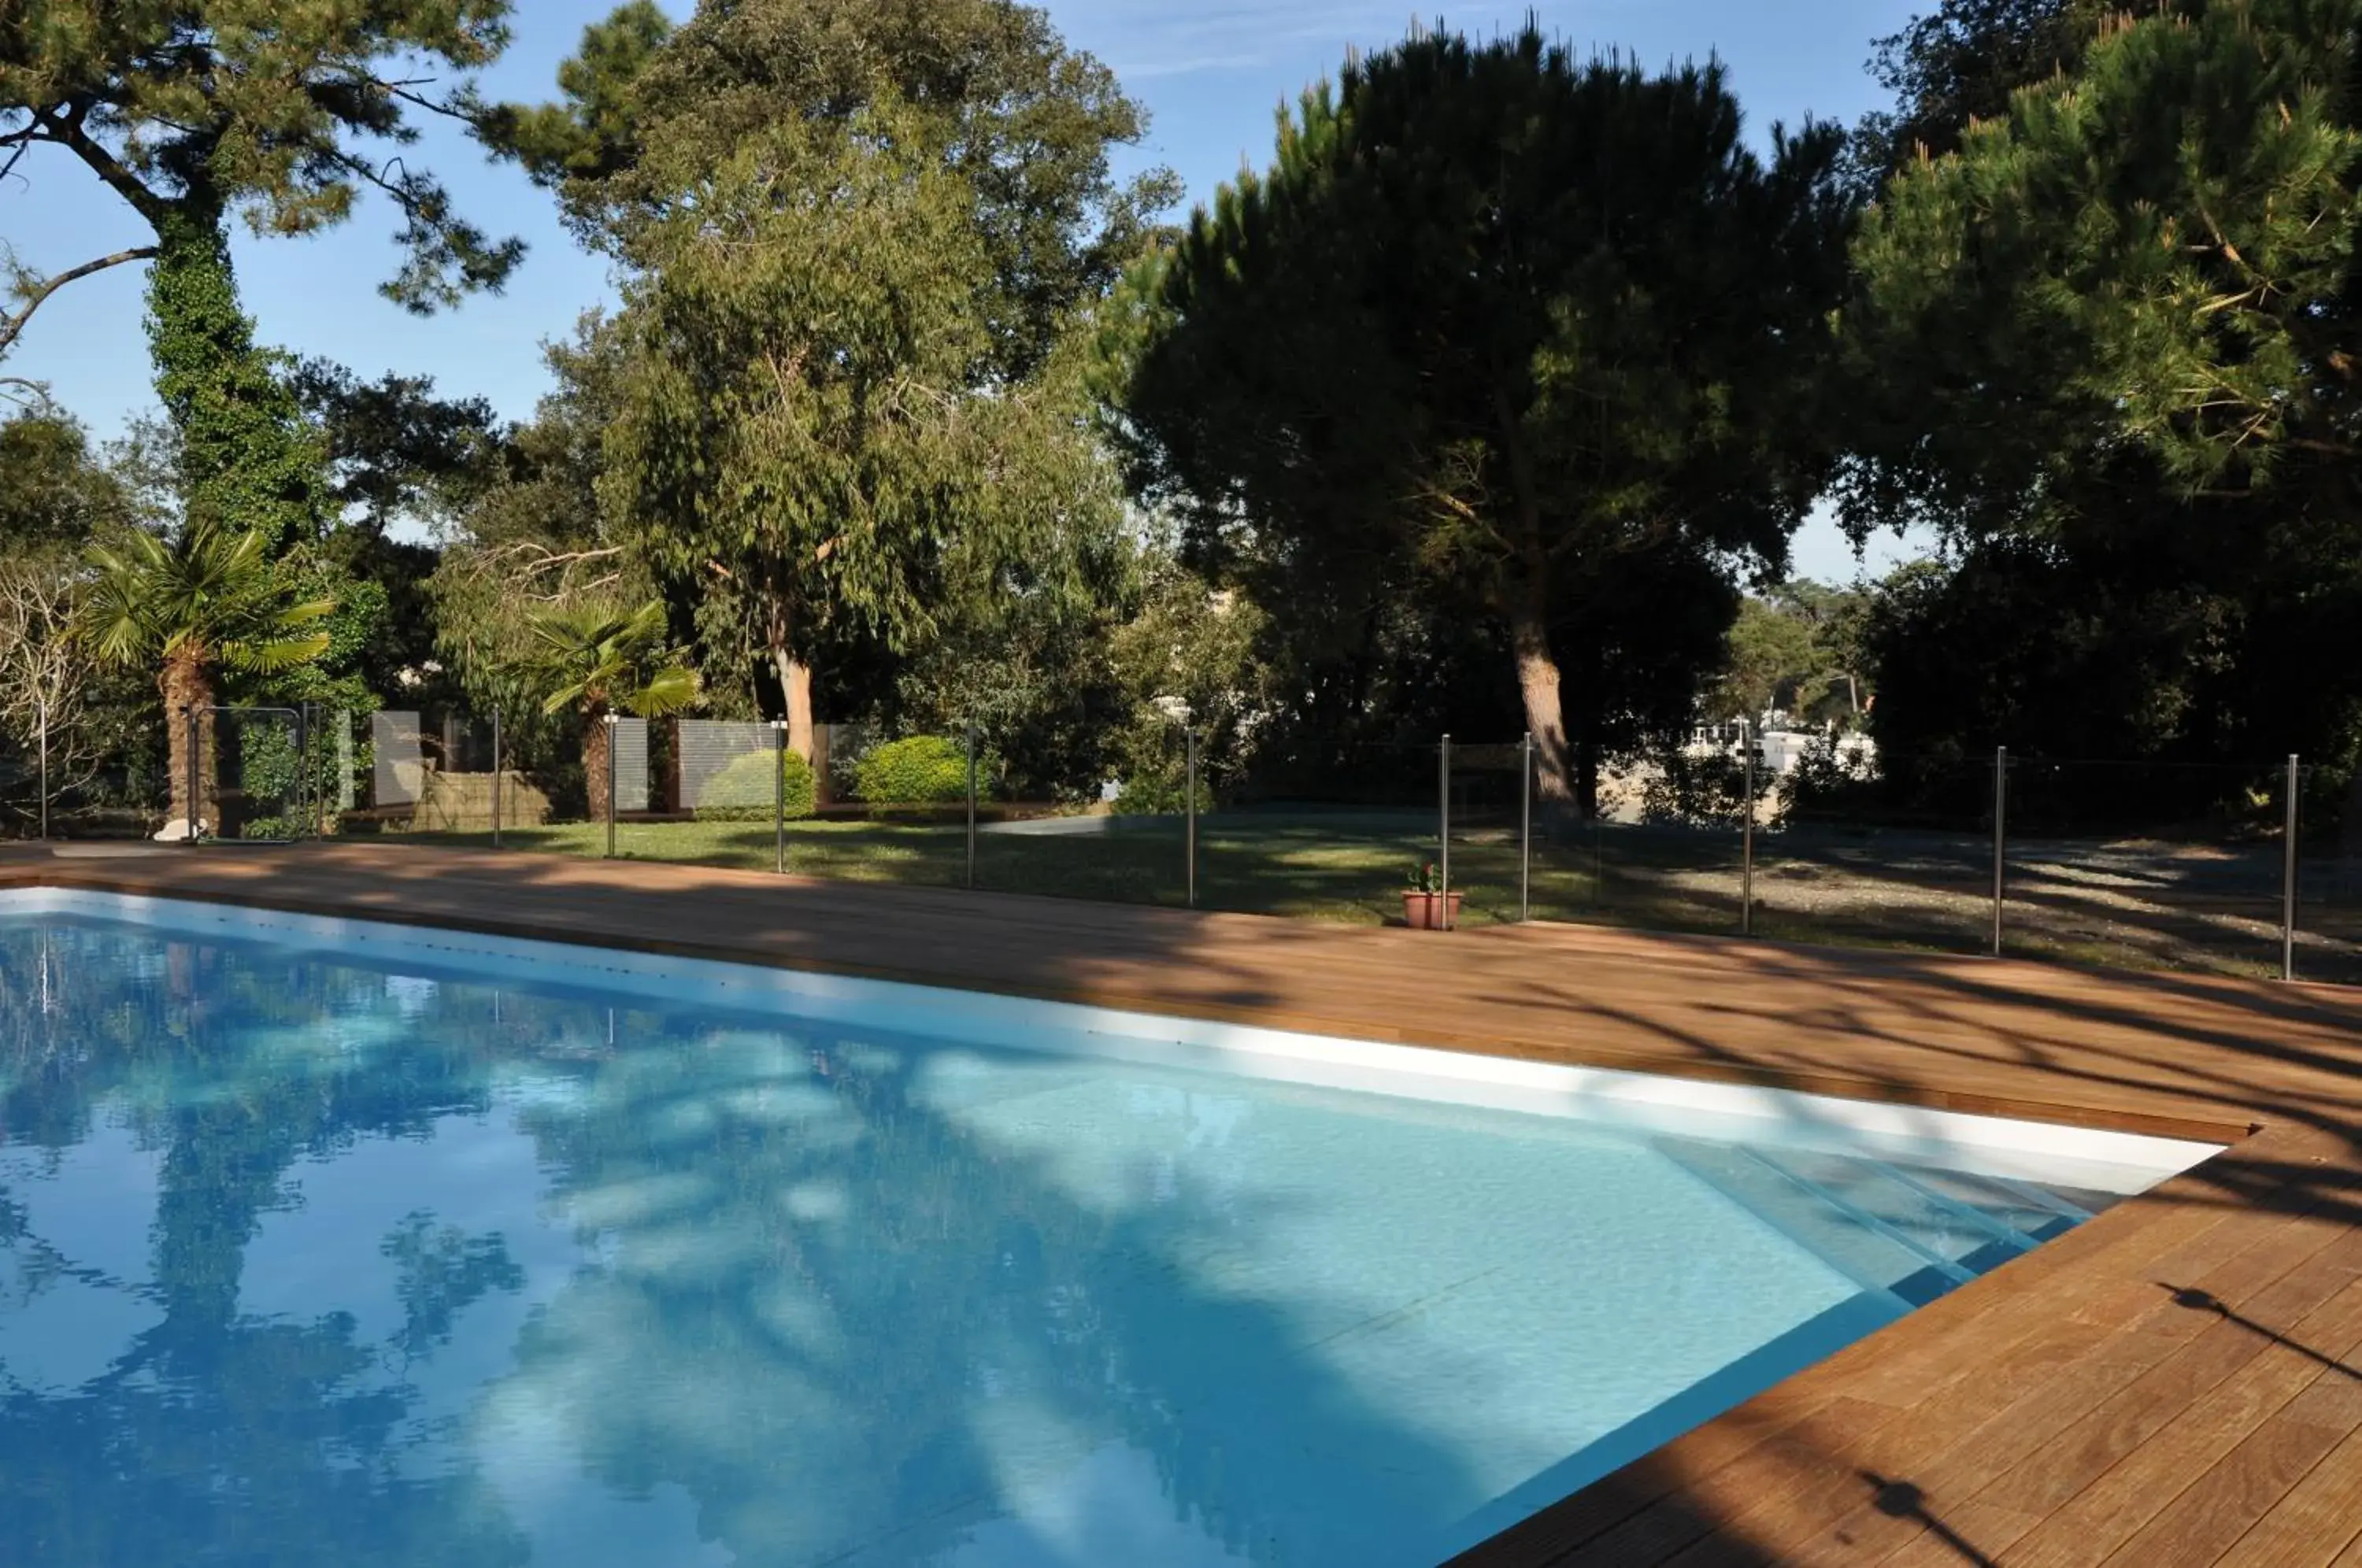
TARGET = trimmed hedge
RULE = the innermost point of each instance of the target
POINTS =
(923, 770)
(742, 792)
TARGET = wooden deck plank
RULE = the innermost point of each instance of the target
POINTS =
(2133, 1414)
(1954, 1536)
(2151, 1476)
(2115, 1396)
(2209, 1517)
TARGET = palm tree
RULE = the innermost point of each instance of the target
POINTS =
(206, 601)
(598, 661)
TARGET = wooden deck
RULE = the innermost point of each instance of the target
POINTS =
(2178, 1382)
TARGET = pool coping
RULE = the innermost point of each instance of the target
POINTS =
(2217, 1130)
(2276, 1069)
(2052, 1152)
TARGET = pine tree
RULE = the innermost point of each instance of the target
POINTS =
(196, 111)
(1493, 322)
(2109, 347)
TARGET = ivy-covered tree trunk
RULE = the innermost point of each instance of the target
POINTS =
(248, 460)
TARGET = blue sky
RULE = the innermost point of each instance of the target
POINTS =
(1211, 74)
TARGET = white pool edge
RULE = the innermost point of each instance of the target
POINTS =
(2091, 1157)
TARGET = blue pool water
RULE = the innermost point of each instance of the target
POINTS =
(313, 1258)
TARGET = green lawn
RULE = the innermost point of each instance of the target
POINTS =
(2151, 906)
(1351, 869)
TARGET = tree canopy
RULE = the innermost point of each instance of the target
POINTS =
(1496, 325)
(841, 385)
(284, 115)
(1959, 64)
(1024, 124)
(53, 490)
(282, 112)
(2111, 353)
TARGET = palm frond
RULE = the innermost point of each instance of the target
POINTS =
(597, 653)
(303, 614)
(668, 691)
(564, 697)
(269, 656)
(210, 593)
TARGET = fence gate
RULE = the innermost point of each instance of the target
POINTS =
(246, 778)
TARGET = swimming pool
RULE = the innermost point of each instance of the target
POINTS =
(326, 1242)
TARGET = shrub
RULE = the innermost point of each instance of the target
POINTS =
(743, 792)
(1155, 791)
(1694, 789)
(923, 770)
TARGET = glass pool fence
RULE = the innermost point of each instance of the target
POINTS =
(1733, 830)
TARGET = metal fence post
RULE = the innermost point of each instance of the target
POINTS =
(2001, 837)
(971, 803)
(779, 796)
(45, 780)
(1444, 827)
(496, 779)
(610, 720)
(1524, 827)
(1189, 742)
(2288, 877)
(303, 803)
(189, 721)
(1747, 833)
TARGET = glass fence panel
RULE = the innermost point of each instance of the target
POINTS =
(433, 773)
(2146, 865)
(2161, 866)
(1651, 837)
(1124, 840)
(1349, 836)
(893, 804)
(2328, 944)
(1889, 852)
(251, 772)
(1490, 800)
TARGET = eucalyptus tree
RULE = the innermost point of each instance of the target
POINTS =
(848, 377)
(1493, 322)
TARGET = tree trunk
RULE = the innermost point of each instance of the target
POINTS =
(597, 735)
(186, 688)
(1528, 593)
(1537, 685)
(795, 687)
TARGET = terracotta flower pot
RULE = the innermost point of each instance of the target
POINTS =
(1431, 911)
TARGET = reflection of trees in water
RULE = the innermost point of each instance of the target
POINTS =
(822, 1307)
(843, 1330)
(213, 1436)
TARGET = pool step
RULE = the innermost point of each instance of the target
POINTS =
(1914, 1232)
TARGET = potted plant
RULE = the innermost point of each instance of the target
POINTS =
(1425, 906)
